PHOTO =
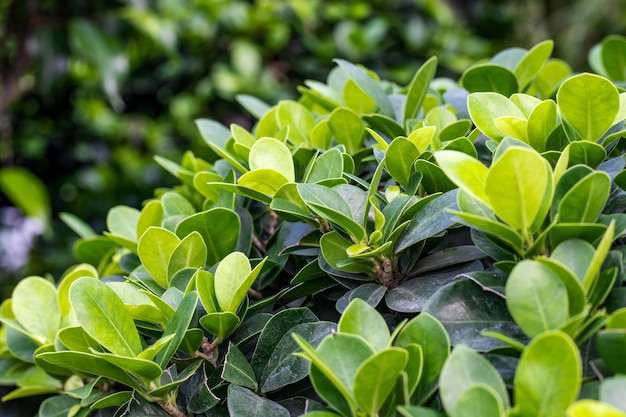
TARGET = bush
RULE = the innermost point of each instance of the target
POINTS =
(328, 260)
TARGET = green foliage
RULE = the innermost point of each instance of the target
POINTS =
(371, 249)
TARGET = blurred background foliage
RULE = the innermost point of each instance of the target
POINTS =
(91, 91)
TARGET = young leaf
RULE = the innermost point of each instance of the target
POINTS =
(589, 102)
(466, 172)
(515, 187)
(548, 376)
(376, 378)
(368, 85)
(35, 308)
(363, 320)
(536, 298)
(190, 253)
(233, 279)
(532, 62)
(272, 153)
(465, 369)
(485, 107)
(104, 317)
(155, 249)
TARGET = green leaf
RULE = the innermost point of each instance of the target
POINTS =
(541, 122)
(418, 411)
(237, 370)
(512, 126)
(347, 128)
(233, 279)
(590, 103)
(478, 400)
(584, 202)
(219, 228)
(613, 53)
(485, 107)
(418, 88)
(190, 253)
(460, 307)
(175, 204)
(489, 77)
(285, 368)
(177, 327)
(244, 403)
(536, 298)
(515, 186)
(466, 172)
(35, 308)
(78, 226)
(549, 77)
(368, 85)
(151, 215)
(89, 364)
(363, 320)
(464, 370)
(217, 136)
(548, 376)
(612, 392)
(593, 408)
(263, 180)
(433, 218)
(328, 165)
(602, 251)
(112, 400)
(104, 317)
(273, 154)
(335, 251)
(122, 222)
(427, 332)
(293, 115)
(573, 284)
(399, 159)
(222, 324)
(27, 192)
(155, 248)
(376, 377)
(141, 368)
(532, 63)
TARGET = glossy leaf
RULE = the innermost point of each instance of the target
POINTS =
(104, 317)
(233, 279)
(466, 172)
(35, 308)
(548, 376)
(219, 229)
(363, 320)
(189, 253)
(487, 106)
(536, 298)
(244, 403)
(293, 115)
(272, 153)
(464, 370)
(375, 378)
(589, 102)
(418, 88)
(491, 78)
(155, 249)
(237, 370)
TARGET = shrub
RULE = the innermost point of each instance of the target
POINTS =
(328, 260)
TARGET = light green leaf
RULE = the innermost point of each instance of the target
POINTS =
(376, 378)
(368, 85)
(141, 368)
(489, 78)
(484, 108)
(418, 88)
(293, 115)
(593, 408)
(27, 192)
(122, 221)
(465, 369)
(516, 185)
(219, 228)
(68, 278)
(155, 249)
(584, 202)
(466, 172)
(205, 283)
(151, 215)
(263, 180)
(541, 123)
(399, 159)
(221, 324)
(190, 253)
(536, 298)
(104, 317)
(532, 63)
(363, 320)
(35, 308)
(548, 376)
(478, 400)
(233, 279)
(590, 103)
(347, 128)
(272, 153)
(515, 127)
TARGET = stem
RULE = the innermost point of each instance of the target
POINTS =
(208, 351)
(171, 409)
